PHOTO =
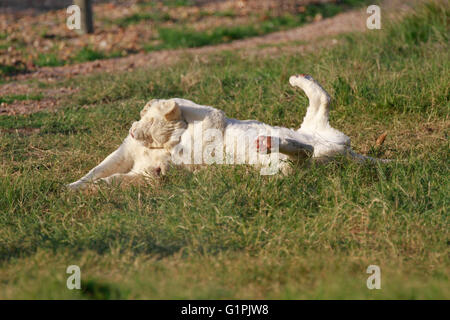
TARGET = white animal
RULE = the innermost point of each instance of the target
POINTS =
(181, 132)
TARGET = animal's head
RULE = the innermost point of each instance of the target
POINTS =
(160, 126)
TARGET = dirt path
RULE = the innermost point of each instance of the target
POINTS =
(318, 33)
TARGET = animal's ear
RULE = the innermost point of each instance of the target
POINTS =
(146, 107)
(172, 111)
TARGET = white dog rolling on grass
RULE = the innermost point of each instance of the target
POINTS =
(181, 132)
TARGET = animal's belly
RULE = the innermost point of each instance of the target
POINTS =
(240, 145)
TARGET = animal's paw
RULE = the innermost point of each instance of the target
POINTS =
(75, 185)
(264, 144)
(300, 79)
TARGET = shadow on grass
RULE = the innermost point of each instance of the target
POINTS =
(99, 290)
(102, 247)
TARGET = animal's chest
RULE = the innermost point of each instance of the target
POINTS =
(143, 157)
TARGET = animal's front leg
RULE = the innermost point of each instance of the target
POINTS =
(117, 162)
(120, 177)
(133, 175)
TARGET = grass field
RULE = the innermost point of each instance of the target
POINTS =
(227, 232)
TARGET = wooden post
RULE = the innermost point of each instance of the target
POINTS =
(87, 25)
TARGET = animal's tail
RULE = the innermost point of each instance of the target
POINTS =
(361, 158)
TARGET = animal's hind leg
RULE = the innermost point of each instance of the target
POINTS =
(316, 117)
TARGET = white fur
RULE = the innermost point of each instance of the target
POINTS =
(167, 128)
(130, 161)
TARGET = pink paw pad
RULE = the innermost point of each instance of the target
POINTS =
(264, 144)
(306, 76)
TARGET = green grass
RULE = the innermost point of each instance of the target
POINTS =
(154, 16)
(7, 70)
(227, 232)
(84, 54)
(88, 54)
(48, 60)
(19, 97)
(183, 37)
(169, 3)
(178, 3)
(225, 13)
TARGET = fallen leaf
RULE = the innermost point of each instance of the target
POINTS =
(381, 139)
